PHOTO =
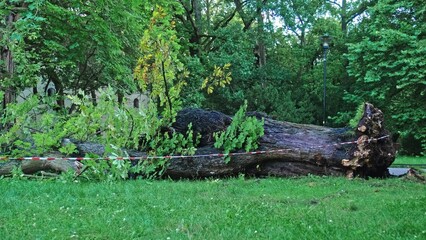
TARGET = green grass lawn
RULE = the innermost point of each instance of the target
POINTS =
(301, 208)
(410, 160)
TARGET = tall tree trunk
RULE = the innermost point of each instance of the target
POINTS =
(208, 15)
(197, 11)
(343, 15)
(7, 54)
(7, 58)
(193, 19)
(198, 28)
(53, 76)
(261, 49)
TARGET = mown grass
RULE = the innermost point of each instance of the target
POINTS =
(302, 208)
(410, 160)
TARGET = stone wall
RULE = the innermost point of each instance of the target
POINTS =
(136, 99)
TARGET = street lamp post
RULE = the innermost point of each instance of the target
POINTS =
(325, 45)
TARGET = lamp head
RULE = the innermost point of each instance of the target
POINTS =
(325, 41)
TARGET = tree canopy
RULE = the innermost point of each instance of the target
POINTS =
(217, 54)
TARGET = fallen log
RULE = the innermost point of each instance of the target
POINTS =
(58, 165)
(285, 150)
(298, 149)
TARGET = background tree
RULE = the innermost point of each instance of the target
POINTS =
(284, 78)
(388, 64)
(159, 70)
(232, 32)
(18, 67)
(74, 44)
(89, 44)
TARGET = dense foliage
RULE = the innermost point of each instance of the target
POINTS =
(389, 64)
(76, 45)
(217, 54)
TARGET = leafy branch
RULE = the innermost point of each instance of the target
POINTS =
(243, 133)
(220, 77)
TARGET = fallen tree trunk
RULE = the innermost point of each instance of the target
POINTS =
(297, 149)
(285, 150)
(33, 166)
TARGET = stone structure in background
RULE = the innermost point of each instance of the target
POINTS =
(135, 100)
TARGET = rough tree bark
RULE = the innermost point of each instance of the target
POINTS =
(291, 149)
(9, 68)
(6, 54)
(298, 149)
(33, 166)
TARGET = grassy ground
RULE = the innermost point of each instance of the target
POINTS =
(303, 208)
(410, 160)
